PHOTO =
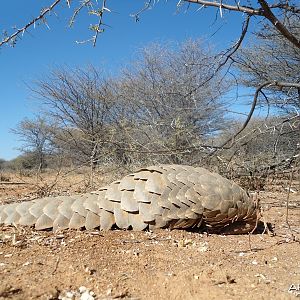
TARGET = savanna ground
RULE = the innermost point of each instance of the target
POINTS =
(147, 265)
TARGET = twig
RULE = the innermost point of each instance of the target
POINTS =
(136, 15)
(253, 106)
(267, 13)
(256, 222)
(15, 183)
(287, 207)
(56, 266)
(32, 22)
(245, 9)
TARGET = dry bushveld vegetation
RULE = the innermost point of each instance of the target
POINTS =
(174, 104)
(166, 108)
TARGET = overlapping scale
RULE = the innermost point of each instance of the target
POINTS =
(167, 195)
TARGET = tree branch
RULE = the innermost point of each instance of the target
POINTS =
(228, 55)
(278, 25)
(32, 22)
(265, 12)
(250, 114)
(245, 9)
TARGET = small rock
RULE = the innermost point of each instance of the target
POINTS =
(274, 259)
(185, 243)
(70, 295)
(136, 252)
(263, 278)
(203, 247)
(108, 292)
(86, 296)
(82, 289)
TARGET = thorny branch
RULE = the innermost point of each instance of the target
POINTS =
(12, 38)
(244, 9)
(225, 57)
(97, 28)
(253, 106)
(265, 11)
(136, 15)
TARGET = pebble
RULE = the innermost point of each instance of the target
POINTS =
(203, 247)
(86, 296)
(70, 295)
(82, 289)
(274, 259)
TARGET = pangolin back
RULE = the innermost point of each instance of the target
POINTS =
(174, 196)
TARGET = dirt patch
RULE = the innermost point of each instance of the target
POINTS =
(155, 265)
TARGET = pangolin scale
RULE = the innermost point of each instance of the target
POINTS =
(165, 196)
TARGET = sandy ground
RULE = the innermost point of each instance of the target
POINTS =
(152, 265)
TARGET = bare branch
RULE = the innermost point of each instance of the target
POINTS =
(245, 9)
(265, 11)
(13, 36)
(136, 15)
(250, 114)
(98, 27)
(280, 27)
(226, 56)
(77, 11)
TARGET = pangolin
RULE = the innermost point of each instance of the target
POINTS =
(164, 196)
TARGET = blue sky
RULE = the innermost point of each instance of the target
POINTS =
(43, 49)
